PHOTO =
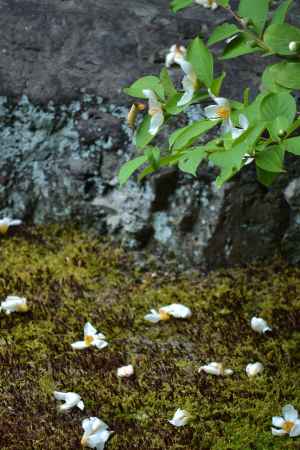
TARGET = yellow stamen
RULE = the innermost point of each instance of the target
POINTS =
(223, 112)
(88, 340)
(163, 315)
(22, 308)
(3, 228)
(288, 425)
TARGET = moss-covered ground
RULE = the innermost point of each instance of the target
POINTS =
(70, 278)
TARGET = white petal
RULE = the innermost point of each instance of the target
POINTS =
(244, 122)
(254, 369)
(100, 343)
(60, 395)
(277, 421)
(211, 112)
(153, 316)
(80, 405)
(151, 96)
(186, 66)
(226, 126)
(276, 432)
(89, 330)
(228, 372)
(290, 413)
(177, 310)
(221, 101)
(210, 369)
(125, 371)
(180, 418)
(259, 325)
(99, 439)
(156, 122)
(79, 345)
(295, 431)
(169, 60)
(236, 132)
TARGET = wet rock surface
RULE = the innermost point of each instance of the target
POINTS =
(63, 135)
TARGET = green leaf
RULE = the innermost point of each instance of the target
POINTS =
(223, 2)
(275, 127)
(278, 104)
(217, 84)
(167, 83)
(177, 5)
(264, 177)
(163, 162)
(293, 145)
(256, 10)
(142, 136)
(269, 78)
(149, 82)
(222, 32)
(202, 61)
(238, 47)
(278, 37)
(188, 135)
(289, 75)
(281, 12)
(190, 161)
(271, 159)
(130, 167)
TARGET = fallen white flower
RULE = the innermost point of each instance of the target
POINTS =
(215, 368)
(12, 303)
(212, 4)
(189, 82)
(125, 371)
(155, 110)
(244, 125)
(180, 418)
(259, 325)
(175, 310)
(221, 110)
(95, 434)
(91, 338)
(175, 54)
(71, 399)
(254, 369)
(6, 223)
(288, 424)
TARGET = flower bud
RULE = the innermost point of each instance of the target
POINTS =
(294, 46)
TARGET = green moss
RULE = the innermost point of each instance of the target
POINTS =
(69, 278)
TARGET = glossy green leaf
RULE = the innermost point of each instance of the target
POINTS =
(188, 135)
(130, 167)
(149, 82)
(177, 5)
(278, 104)
(256, 11)
(222, 32)
(167, 83)
(238, 47)
(142, 136)
(278, 37)
(191, 160)
(264, 177)
(281, 12)
(271, 159)
(293, 145)
(202, 61)
(289, 75)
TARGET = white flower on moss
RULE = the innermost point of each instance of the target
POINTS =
(155, 110)
(244, 125)
(220, 111)
(175, 310)
(91, 338)
(253, 369)
(212, 4)
(288, 424)
(12, 303)
(6, 222)
(125, 371)
(95, 434)
(259, 325)
(180, 418)
(70, 400)
(189, 82)
(175, 54)
(215, 368)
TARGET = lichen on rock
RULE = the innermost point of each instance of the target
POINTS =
(69, 277)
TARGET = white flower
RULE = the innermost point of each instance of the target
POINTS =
(166, 312)
(288, 424)
(244, 125)
(254, 369)
(95, 433)
(91, 338)
(155, 110)
(6, 223)
(175, 54)
(212, 4)
(70, 398)
(125, 371)
(12, 303)
(189, 82)
(219, 111)
(180, 418)
(259, 325)
(215, 368)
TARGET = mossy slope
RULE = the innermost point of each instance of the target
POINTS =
(69, 278)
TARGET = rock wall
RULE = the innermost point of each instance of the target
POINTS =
(64, 136)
